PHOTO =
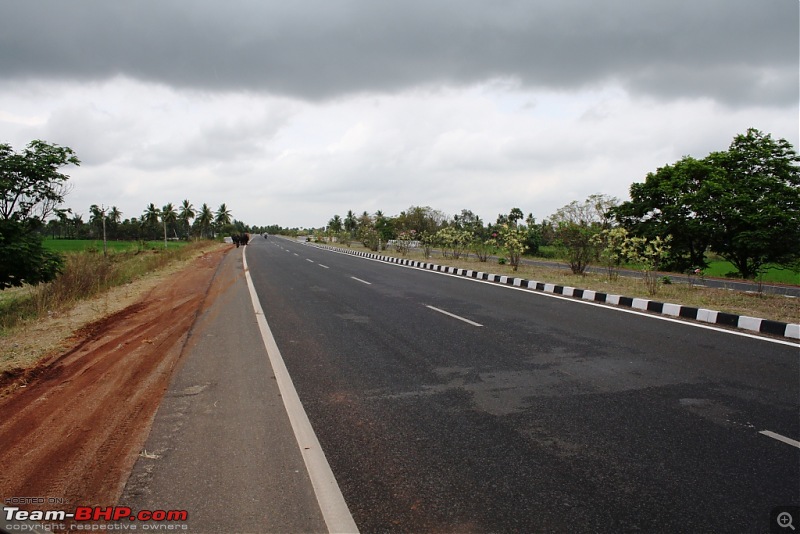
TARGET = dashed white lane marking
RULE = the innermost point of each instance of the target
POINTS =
(312, 261)
(454, 316)
(580, 301)
(296, 254)
(788, 441)
(329, 496)
(362, 281)
(323, 266)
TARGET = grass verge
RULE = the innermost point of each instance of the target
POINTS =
(45, 331)
(85, 275)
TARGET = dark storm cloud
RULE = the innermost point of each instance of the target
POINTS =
(734, 51)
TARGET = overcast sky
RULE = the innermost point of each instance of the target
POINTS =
(291, 112)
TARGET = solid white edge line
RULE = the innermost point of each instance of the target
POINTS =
(453, 315)
(329, 497)
(362, 281)
(580, 301)
(784, 439)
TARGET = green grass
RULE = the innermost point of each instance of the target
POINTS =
(88, 272)
(717, 268)
(82, 245)
(722, 269)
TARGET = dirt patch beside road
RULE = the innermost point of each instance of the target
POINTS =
(74, 430)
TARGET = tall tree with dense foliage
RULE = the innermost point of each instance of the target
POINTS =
(666, 204)
(31, 187)
(743, 204)
(752, 204)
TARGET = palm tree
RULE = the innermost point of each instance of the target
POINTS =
(168, 217)
(335, 224)
(350, 222)
(150, 220)
(151, 214)
(223, 215)
(186, 214)
(114, 217)
(205, 219)
(96, 216)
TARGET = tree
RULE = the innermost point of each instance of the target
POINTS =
(97, 218)
(385, 228)
(350, 223)
(31, 187)
(576, 224)
(204, 220)
(667, 204)
(150, 221)
(752, 205)
(511, 238)
(114, 217)
(223, 215)
(743, 204)
(168, 218)
(335, 224)
(185, 215)
(424, 220)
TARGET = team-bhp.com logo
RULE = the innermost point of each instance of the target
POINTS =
(86, 514)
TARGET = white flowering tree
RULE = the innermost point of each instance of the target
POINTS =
(511, 239)
(649, 254)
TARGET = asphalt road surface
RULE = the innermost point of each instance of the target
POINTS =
(449, 405)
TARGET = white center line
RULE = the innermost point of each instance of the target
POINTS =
(784, 439)
(362, 281)
(473, 323)
(323, 266)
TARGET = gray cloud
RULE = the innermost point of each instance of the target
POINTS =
(739, 52)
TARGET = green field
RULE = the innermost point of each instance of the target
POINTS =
(721, 269)
(81, 245)
(717, 268)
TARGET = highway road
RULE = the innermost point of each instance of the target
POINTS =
(451, 405)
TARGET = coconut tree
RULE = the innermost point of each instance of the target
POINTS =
(204, 220)
(168, 217)
(223, 215)
(150, 219)
(113, 217)
(185, 215)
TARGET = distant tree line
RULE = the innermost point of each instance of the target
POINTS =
(742, 204)
(32, 186)
(181, 222)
